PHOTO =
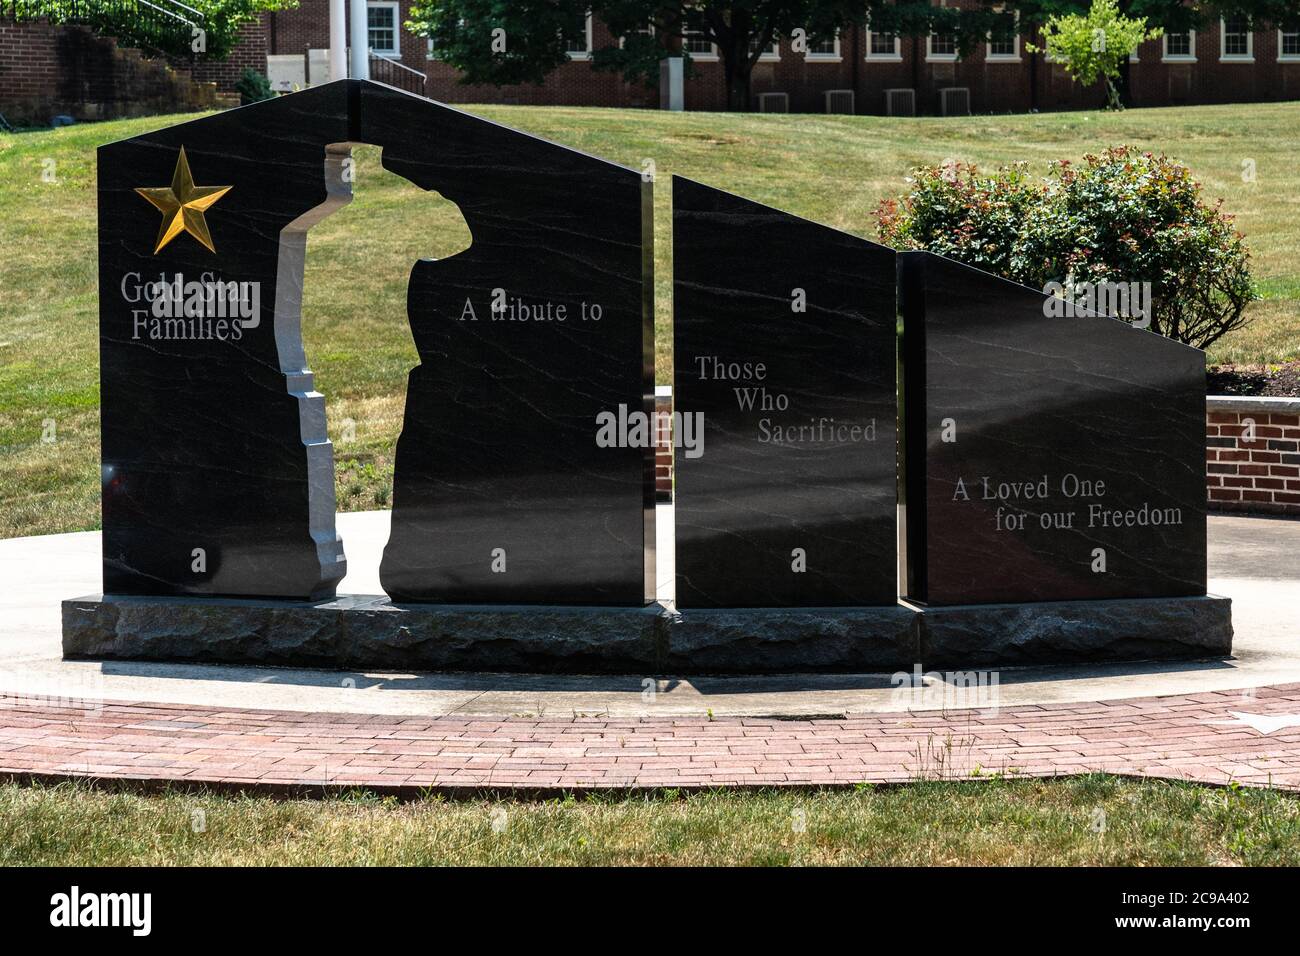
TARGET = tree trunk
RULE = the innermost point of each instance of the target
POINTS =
(1124, 82)
(1112, 95)
(1033, 71)
(736, 70)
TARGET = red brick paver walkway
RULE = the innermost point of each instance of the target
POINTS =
(1187, 738)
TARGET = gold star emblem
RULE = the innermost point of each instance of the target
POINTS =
(182, 205)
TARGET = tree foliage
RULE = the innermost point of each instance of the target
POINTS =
(1092, 47)
(521, 41)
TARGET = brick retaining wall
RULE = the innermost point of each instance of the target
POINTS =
(1252, 455)
(47, 69)
(249, 53)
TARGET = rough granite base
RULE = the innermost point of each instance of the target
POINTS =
(773, 640)
(369, 632)
(364, 631)
(1074, 632)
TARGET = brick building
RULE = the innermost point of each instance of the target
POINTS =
(1228, 63)
(46, 69)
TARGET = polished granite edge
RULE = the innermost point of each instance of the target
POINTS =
(369, 631)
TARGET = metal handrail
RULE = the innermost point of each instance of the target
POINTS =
(187, 9)
(400, 75)
(397, 63)
(167, 13)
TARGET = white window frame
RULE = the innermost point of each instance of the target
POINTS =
(1226, 57)
(932, 57)
(773, 52)
(1005, 57)
(583, 54)
(1287, 57)
(709, 57)
(895, 57)
(835, 57)
(396, 52)
(648, 30)
(1188, 57)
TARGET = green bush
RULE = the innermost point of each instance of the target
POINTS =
(954, 210)
(1124, 216)
(253, 87)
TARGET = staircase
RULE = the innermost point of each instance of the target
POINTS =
(384, 69)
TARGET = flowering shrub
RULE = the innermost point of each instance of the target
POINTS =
(956, 211)
(1124, 216)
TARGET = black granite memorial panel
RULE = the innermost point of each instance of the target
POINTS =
(218, 475)
(217, 472)
(1048, 457)
(511, 485)
(785, 403)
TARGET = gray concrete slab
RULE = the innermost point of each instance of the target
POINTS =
(1255, 561)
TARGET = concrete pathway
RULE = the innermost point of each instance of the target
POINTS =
(1256, 561)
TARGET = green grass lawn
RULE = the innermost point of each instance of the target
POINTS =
(1095, 820)
(833, 169)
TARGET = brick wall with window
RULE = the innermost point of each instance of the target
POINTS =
(573, 84)
(1206, 66)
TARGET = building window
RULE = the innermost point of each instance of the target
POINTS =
(645, 31)
(577, 39)
(1004, 49)
(381, 19)
(698, 45)
(1008, 48)
(1288, 43)
(773, 51)
(882, 46)
(1180, 47)
(941, 46)
(826, 50)
(1236, 41)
